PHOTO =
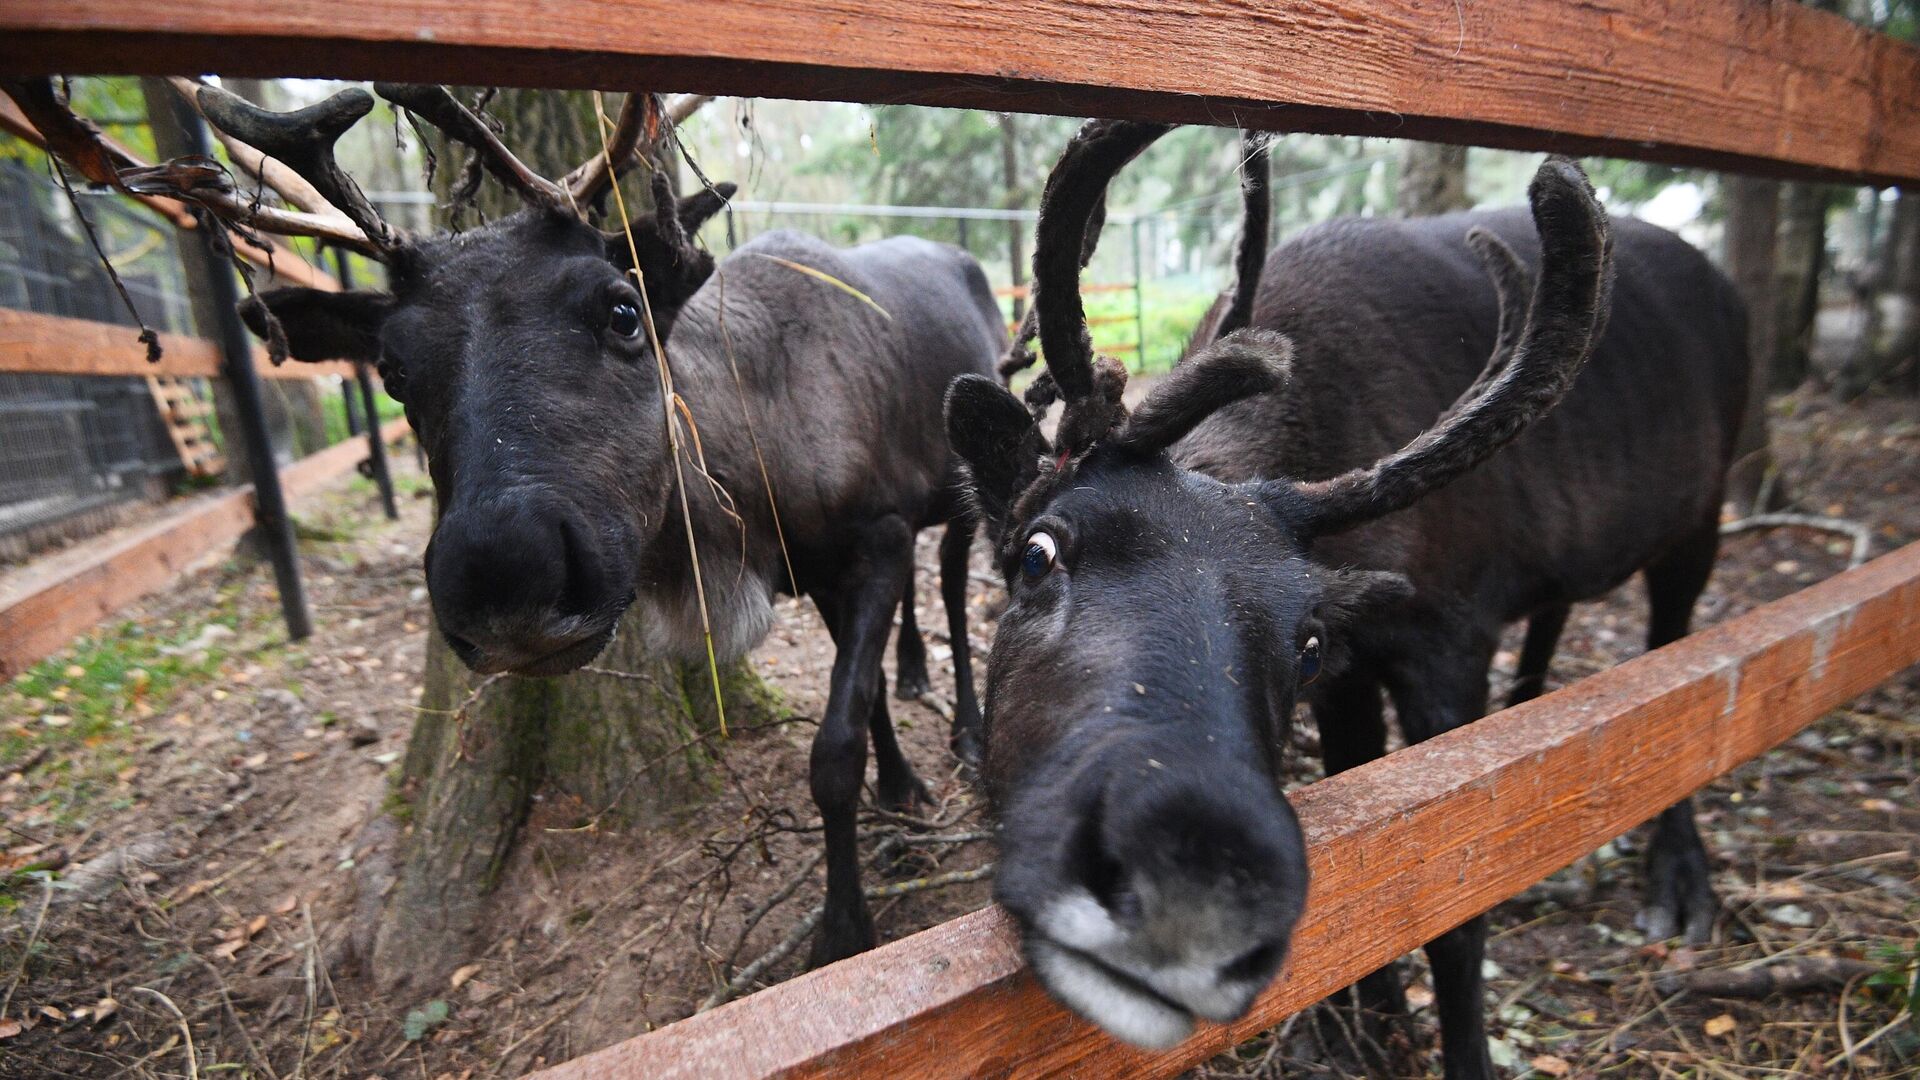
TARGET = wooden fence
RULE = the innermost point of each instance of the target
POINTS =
(43, 613)
(1399, 850)
(1409, 845)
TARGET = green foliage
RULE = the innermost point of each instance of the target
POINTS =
(1898, 977)
(76, 712)
(423, 1020)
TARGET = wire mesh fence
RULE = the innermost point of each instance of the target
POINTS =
(76, 451)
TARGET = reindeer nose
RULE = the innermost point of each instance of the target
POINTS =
(511, 578)
(1175, 897)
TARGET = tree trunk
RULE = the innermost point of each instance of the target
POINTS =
(1899, 353)
(1752, 226)
(1433, 179)
(627, 744)
(1802, 254)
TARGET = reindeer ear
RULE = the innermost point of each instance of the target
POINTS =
(1347, 599)
(1349, 596)
(324, 325)
(996, 438)
(694, 210)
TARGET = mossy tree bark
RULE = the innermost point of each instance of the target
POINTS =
(625, 743)
(1433, 179)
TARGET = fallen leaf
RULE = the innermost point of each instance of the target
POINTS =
(1720, 1025)
(226, 950)
(53, 1014)
(258, 924)
(1878, 806)
(1791, 915)
(287, 904)
(1550, 1065)
(1419, 996)
(462, 974)
(9, 1027)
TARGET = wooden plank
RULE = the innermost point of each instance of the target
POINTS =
(1726, 83)
(47, 614)
(280, 264)
(1401, 850)
(1006, 291)
(32, 343)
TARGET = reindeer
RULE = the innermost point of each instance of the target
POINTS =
(541, 363)
(1308, 510)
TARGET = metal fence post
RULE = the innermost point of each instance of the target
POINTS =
(1139, 303)
(376, 444)
(275, 528)
(350, 405)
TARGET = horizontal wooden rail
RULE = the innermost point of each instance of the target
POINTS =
(1772, 86)
(279, 264)
(1024, 291)
(36, 344)
(45, 613)
(1401, 850)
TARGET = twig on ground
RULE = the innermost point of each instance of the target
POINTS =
(1861, 535)
(46, 901)
(186, 1029)
(1782, 977)
(785, 947)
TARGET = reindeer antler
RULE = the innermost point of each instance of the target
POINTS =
(303, 140)
(1075, 192)
(200, 181)
(1565, 319)
(640, 120)
(1250, 257)
(435, 105)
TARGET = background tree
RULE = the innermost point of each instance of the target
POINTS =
(1752, 215)
(1433, 179)
(623, 744)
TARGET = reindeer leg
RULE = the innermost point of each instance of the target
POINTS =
(860, 612)
(1679, 896)
(1444, 688)
(1353, 732)
(910, 653)
(955, 546)
(1543, 636)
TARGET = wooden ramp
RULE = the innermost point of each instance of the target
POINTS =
(185, 416)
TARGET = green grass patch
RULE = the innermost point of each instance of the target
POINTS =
(1161, 321)
(75, 713)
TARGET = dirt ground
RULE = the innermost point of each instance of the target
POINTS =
(199, 785)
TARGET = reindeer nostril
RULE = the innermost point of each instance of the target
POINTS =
(466, 650)
(1255, 963)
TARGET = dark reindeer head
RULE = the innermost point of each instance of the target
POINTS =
(521, 352)
(1161, 624)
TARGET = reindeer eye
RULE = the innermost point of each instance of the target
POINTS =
(624, 320)
(1038, 559)
(393, 376)
(1310, 660)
